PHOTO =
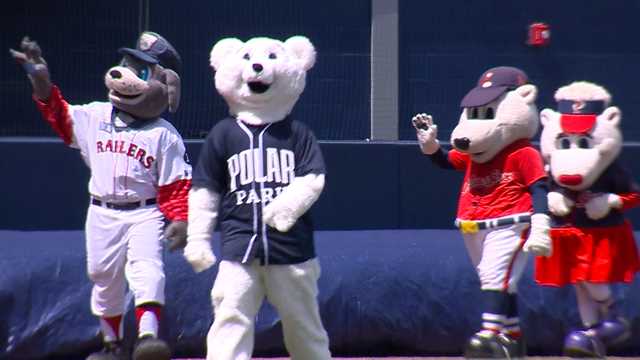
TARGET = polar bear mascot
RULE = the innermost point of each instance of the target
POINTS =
(502, 204)
(593, 242)
(258, 173)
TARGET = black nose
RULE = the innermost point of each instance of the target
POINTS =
(462, 143)
(257, 68)
(115, 74)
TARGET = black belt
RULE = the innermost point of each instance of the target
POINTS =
(132, 205)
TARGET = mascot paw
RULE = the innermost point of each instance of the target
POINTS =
(283, 222)
(538, 247)
(176, 235)
(426, 132)
(559, 204)
(198, 253)
(279, 218)
(599, 206)
(539, 241)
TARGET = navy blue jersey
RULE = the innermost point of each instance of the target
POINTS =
(615, 179)
(249, 166)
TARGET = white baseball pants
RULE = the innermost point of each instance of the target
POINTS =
(498, 257)
(124, 246)
(237, 294)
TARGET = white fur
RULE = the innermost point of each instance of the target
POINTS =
(583, 90)
(293, 202)
(559, 204)
(516, 117)
(427, 139)
(589, 163)
(203, 213)
(599, 206)
(285, 75)
(539, 241)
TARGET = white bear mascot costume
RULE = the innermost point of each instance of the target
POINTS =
(502, 206)
(261, 171)
(593, 242)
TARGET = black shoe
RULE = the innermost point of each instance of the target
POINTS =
(151, 348)
(516, 348)
(485, 346)
(112, 350)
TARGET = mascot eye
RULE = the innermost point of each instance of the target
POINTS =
(490, 113)
(246, 56)
(563, 143)
(144, 73)
(584, 142)
(472, 113)
(273, 56)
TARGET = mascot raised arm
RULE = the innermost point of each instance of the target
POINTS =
(139, 178)
(502, 206)
(590, 190)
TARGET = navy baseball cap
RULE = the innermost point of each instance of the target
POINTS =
(493, 83)
(154, 49)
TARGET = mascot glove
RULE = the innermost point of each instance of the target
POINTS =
(176, 234)
(199, 254)
(279, 217)
(599, 206)
(539, 241)
(559, 204)
(426, 132)
(30, 57)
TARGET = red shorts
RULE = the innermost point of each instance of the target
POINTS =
(598, 255)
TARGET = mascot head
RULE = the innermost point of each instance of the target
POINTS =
(582, 138)
(146, 81)
(261, 79)
(498, 111)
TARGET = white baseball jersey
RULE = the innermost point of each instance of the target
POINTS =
(143, 160)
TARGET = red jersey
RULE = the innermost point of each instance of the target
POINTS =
(499, 187)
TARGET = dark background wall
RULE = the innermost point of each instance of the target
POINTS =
(446, 45)
(79, 40)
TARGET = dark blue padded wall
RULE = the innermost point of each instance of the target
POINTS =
(381, 293)
(80, 39)
(446, 45)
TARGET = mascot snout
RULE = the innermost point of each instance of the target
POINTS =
(571, 180)
(122, 82)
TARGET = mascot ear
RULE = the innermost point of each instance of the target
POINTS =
(529, 92)
(302, 49)
(545, 116)
(222, 49)
(612, 114)
(173, 89)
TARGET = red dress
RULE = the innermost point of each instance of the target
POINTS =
(598, 251)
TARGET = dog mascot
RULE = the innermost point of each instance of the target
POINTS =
(593, 243)
(139, 178)
(261, 170)
(502, 205)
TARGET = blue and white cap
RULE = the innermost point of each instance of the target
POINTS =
(154, 49)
